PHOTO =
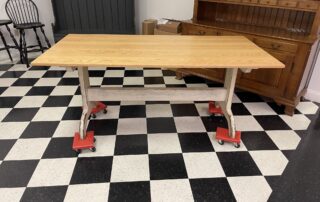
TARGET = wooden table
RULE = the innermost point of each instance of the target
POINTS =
(230, 52)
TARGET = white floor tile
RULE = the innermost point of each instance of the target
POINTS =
(12, 130)
(67, 129)
(96, 81)
(19, 67)
(171, 80)
(76, 101)
(133, 81)
(31, 101)
(203, 109)
(227, 147)
(5, 82)
(285, 139)
(71, 74)
(270, 162)
(235, 99)
(64, 90)
(53, 172)
(203, 165)
(105, 147)
(297, 121)
(15, 91)
(132, 126)
(50, 114)
(171, 191)
(189, 124)
(114, 73)
(4, 112)
(163, 143)
(153, 73)
(27, 149)
(113, 113)
(247, 123)
(33, 74)
(247, 189)
(259, 108)
(130, 168)
(48, 82)
(307, 107)
(87, 192)
(158, 110)
(11, 194)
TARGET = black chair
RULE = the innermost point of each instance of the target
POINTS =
(24, 15)
(6, 46)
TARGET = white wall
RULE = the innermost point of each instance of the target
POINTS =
(156, 9)
(46, 17)
(313, 92)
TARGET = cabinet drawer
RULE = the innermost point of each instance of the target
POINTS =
(288, 3)
(250, 1)
(234, 1)
(276, 45)
(310, 5)
(268, 2)
(198, 30)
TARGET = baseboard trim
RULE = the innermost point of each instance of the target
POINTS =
(313, 95)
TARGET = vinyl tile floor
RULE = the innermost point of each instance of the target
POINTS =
(159, 151)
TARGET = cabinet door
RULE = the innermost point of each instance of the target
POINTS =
(269, 81)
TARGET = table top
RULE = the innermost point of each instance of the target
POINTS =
(154, 51)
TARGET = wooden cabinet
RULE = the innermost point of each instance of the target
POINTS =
(286, 29)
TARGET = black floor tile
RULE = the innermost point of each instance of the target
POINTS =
(41, 129)
(21, 114)
(133, 73)
(184, 110)
(131, 144)
(2, 89)
(195, 142)
(5, 147)
(133, 111)
(273, 181)
(96, 73)
(193, 79)
(99, 170)
(56, 193)
(257, 141)
(211, 189)
(72, 113)
(103, 127)
(12, 74)
(238, 164)
(249, 97)
(161, 125)
(25, 82)
(168, 73)
(239, 109)
(69, 82)
(288, 153)
(20, 171)
(54, 74)
(130, 191)
(40, 90)
(167, 166)
(5, 67)
(39, 68)
(9, 102)
(272, 122)
(213, 122)
(153, 80)
(57, 101)
(59, 148)
(112, 81)
(115, 68)
(176, 85)
(279, 109)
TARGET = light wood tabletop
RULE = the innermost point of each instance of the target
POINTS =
(154, 51)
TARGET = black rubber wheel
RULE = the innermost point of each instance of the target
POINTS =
(78, 151)
(105, 111)
(94, 139)
(93, 149)
(237, 145)
(93, 116)
(221, 142)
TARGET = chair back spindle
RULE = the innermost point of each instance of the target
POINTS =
(22, 11)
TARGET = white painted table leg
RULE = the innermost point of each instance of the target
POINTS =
(87, 106)
(229, 84)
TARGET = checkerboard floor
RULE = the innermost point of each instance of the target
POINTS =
(159, 151)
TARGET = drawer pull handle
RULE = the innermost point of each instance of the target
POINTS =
(275, 46)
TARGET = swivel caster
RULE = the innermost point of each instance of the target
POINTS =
(105, 111)
(93, 116)
(93, 149)
(78, 151)
(237, 145)
(221, 142)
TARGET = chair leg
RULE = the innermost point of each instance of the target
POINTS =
(25, 50)
(12, 37)
(21, 47)
(45, 37)
(5, 45)
(38, 39)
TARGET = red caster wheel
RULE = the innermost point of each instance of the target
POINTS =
(214, 109)
(86, 143)
(222, 135)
